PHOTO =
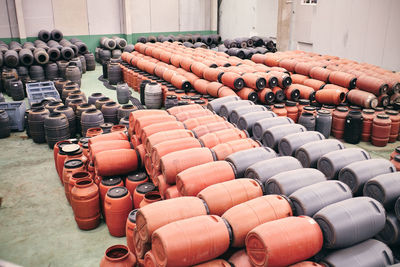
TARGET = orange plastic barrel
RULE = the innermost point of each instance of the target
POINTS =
(194, 122)
(152, 217)
(70, 167)
(129, 229)
(117, 206)
(165, 136)
(201, 238)
(134, 179)
(108, 145)
(284, 242)
(116, 162)
(212, 139)
(107, 183)
(148, 120)
(225, 149)
(182, 116)
(159, 127)
(244, 217)
(201, 130)
(140, 191)
(192, 180)
(108, 137)
(223, 196)
(172, 192)
(178, 109)
(134, 115)
(73, 178)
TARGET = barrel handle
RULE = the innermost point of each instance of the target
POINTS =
(365, 154)
(387, 258)
(342, 187)
(190, 133)
(375, 206)
(392, 169)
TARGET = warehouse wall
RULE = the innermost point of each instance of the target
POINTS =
(91, 19)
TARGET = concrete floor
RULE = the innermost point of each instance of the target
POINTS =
(37, 226)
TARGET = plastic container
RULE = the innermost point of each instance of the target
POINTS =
(287, 182)
(223, 150)
(338, 121)
(390, 234)
(350, 221)
(265, 169)
(118, 255)
(385, 189)
(201, 130)
(226, 108)
(368, 116)
(331, 163)
(240, 111)
(381, 126)
(353, 127)
(274, 135)
(323, 122)
(290, 143)
(212, 139)
(15, 111)
(307, 119)
(241, 160)
(356, 174)
(309, 154)
(310, 199)
(263, 125)
(256, 211)
(247, 121)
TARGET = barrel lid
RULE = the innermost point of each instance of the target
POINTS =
(179, 91)
(183, 103)
(368, 111)
(136, 176)
(73, 140)
(397, 158)
(186, 97)
(132, 215)
(392, 112)
(172, 97)
(229, 227)
(354, 112)
(207, 96)
(71, 148)
(323, 112)
(328, 106)
(83, 140)
(73, 164)
(171, 89)
(63, 143)
(279, 106)
(290, 103)
(145, 187)
(200, 102)
(111, 180)
(117, 192)
(382, 116)
(309, 108)
(376, 108)
(195, 97)
(397, 149)
(304, 102)
(85, 145)
(342, 109)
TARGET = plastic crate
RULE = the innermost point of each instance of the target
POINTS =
(38, 91)
(16, 111)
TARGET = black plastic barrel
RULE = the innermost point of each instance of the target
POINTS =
(17, 90)
(356, 174)
(247, 121)
(350, 221)
(385, 188)
(287, 182)
(310, 199)
(331, 163)
(309, 154)
(290, 143)
(274, 135)
(353, 127)
(264, 124)
(245, 158)
(227, 108)
(370, 253)
(265, 169)
(36, 124)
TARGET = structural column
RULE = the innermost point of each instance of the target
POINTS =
(20, 21)
(126, 20)
(285, 13)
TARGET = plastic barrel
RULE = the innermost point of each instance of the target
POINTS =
(309, 154)
(290, 143)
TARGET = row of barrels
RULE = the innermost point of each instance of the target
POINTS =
(209, 40)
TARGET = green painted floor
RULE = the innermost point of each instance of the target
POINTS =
(37, 227)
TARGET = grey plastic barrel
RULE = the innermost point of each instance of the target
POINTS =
(287, 182)
(26, 57)
(41, 56)
(11, 58)
(323, 122)
(114, 73)
(36, 72)
(310, 199)
(4, 124)
(73, 74)
(370, 253)
(385, 188)
(247, 120)
(36, 119)
(110, 112)
(356, 174)
(94, 97)
(69, 112)
(390, 234)
(90, 62)
(245, 158)
(125, 110)
(123, 93)
(265, 169)
(67, 53)
(239, 111)
(290, 143)
(331, 163)
(56, 128)
(262, 125)
(227, 108)
(17, 91)
(124, 121)
(153, 95)
(273, 135)
(91, 118)
(51, 71)
(350, 221)
(54, 53)
(215, 105)
(307, 120)
(44, 35)
(309, 154)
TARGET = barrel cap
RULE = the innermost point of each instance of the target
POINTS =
(279, 106)
(397, 158)
(145, 187)
(136, 176)
(304, 102)
(342, 109)
(73, 163)
(111, 180)
(117, 192)
(392, 112)
(132, 215)
(382, 116)
(70, 148)
(290, 103)
(323, 112)
(368, 111)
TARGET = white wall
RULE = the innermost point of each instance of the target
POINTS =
(104, 16)
(8, 19)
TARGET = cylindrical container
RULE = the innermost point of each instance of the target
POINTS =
(356, 174)
(343, 79)
(194, 122)
(290, 143)
(118, 255)
(107, 183)
(212, 139)
(265, 169)
(162, 136)
(310, 199)
(116, 162)
(153, 95)
(56, 128)
(216, 104)
(158, 127)
(238, 112)
(323, 122)
(203, 238)
(223, 150)
(368, 253)
(85, 204)
(309, 154)
(394, 129)
(385, 189)
(152, 217)
(263, 125)
(353, 127)
(280, 110)
(332, 162)
(175, 162)
(307, 119)
(390, 234)
(292, 110)
(149, 198)
(192, 180)
(134, 179)
(287, 182)
(91, 118)
(247, 121)
(274, 135)
(101, 101)
(201, 130)
(240, 258)
(123, 93)
(241, 160)
(362, 98)
(110, 112)
(129, 230)
(381, 130)
(140, 192)
(117, 206)
(182, 116)
(372, 84)
(368, 116)
(175, 110)
(256, 211)
(350, 221)
(338, 121)
(4, 124)
(226, 108)
(222, 196)
(36, 118)
(268, 243)
(108, 137)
